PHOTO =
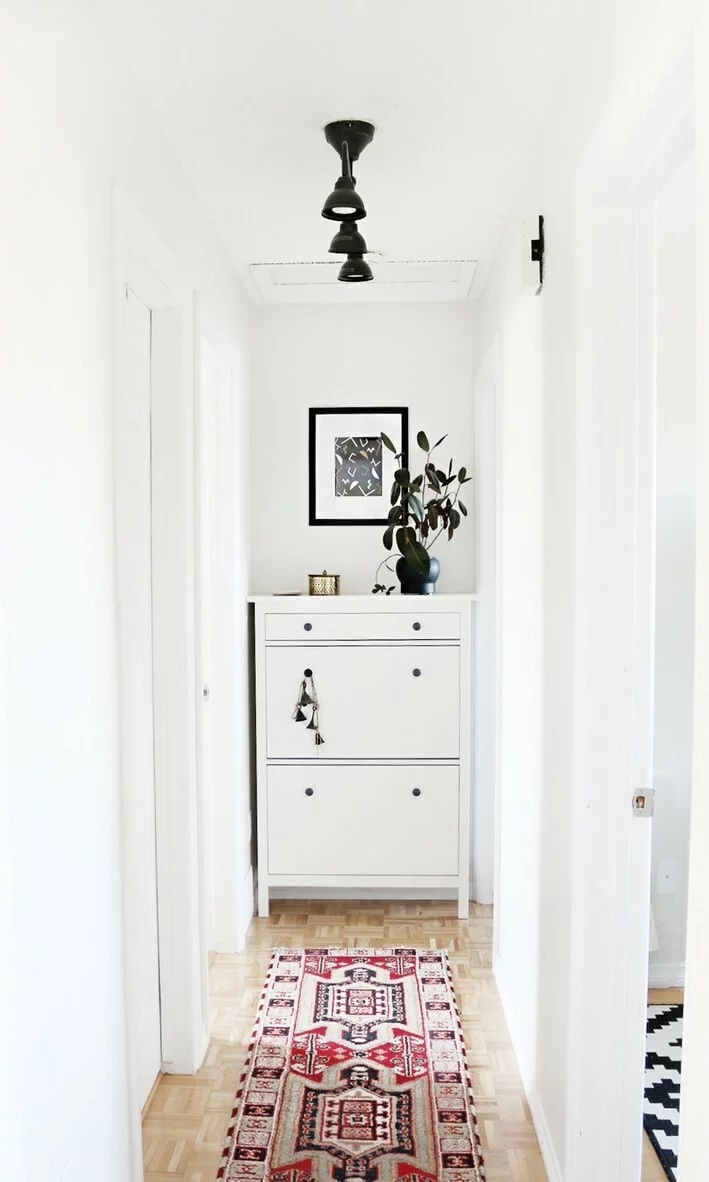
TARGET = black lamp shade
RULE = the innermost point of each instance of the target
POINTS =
(344, 204)
(355, 270)
(348, 240)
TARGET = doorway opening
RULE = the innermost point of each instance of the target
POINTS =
(165, 958)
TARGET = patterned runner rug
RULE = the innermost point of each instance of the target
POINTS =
(356, 1073)
(663, 1065)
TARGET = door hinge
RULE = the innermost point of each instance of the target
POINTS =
(644, 802)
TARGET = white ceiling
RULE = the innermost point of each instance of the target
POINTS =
(457, 90)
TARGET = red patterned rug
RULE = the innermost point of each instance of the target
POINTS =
(356, 1073)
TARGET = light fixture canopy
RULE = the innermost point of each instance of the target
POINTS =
(355, 270)
(348, 240)
(356, 133)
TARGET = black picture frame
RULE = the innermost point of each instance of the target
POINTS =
(361, 413)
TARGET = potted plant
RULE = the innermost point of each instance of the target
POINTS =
(423, 508)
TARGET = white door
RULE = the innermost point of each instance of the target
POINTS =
(663, 672)
(620, 318)
(136, 642)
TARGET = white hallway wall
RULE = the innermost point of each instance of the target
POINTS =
(623, 52)
(415, 355)
(77, 125)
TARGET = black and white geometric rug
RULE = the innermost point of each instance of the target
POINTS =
(663, 1066)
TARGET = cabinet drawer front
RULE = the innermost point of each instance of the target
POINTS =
(375, 702)
(362, 820)
(363, 626)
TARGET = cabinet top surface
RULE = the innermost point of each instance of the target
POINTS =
(363, 603)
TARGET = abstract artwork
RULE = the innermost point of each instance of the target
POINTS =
(358, 466)
(350, 469)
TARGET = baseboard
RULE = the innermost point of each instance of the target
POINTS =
(383, 893)
(246, 909)
(666, 976)
(536, 1108)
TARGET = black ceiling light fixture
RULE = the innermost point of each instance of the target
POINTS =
(355, 270)
(349, 138)
(348, 240)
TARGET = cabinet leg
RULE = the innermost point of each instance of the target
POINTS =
(263, 901)
(463, 900)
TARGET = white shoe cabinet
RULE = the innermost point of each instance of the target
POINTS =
(385, 802)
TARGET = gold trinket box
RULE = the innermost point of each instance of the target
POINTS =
(324, 584)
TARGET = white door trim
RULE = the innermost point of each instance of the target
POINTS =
(488, 666)
(610, 908)
(228, 867)
(142, 262)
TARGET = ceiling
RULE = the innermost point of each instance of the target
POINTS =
(457, 90)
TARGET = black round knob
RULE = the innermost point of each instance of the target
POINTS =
(309, 791)
(416, 626)
(307, 673)
(415, 791)
(417, 672)
(308, 627)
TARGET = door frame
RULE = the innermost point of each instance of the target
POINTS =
(485, 836)
(610, 850)
(227, 840)
(142, 262)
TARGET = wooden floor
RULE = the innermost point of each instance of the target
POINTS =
(652, 1170)
(186, 1119)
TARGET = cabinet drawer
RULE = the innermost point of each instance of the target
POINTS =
(362, 820)
(376, 701)
(363, 626)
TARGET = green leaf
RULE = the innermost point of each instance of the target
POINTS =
(462, 508)
(388, 443)
(395, 513)
(417, 482)
(422, 441)
(417, 557)
(388, 538)
(402, 476)
(462, 473)
(405, 535)
(455, 519)
(432, 477)
(440, 441)
(433, 514)
(395, 493)
(440, 474)
(415, 506)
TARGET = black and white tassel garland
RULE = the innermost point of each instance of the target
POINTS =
(307, 696)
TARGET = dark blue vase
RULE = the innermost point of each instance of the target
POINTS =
(413, 582)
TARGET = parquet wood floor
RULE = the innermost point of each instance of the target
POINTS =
(185, 1122)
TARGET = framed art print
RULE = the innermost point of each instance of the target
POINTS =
(351, 471)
